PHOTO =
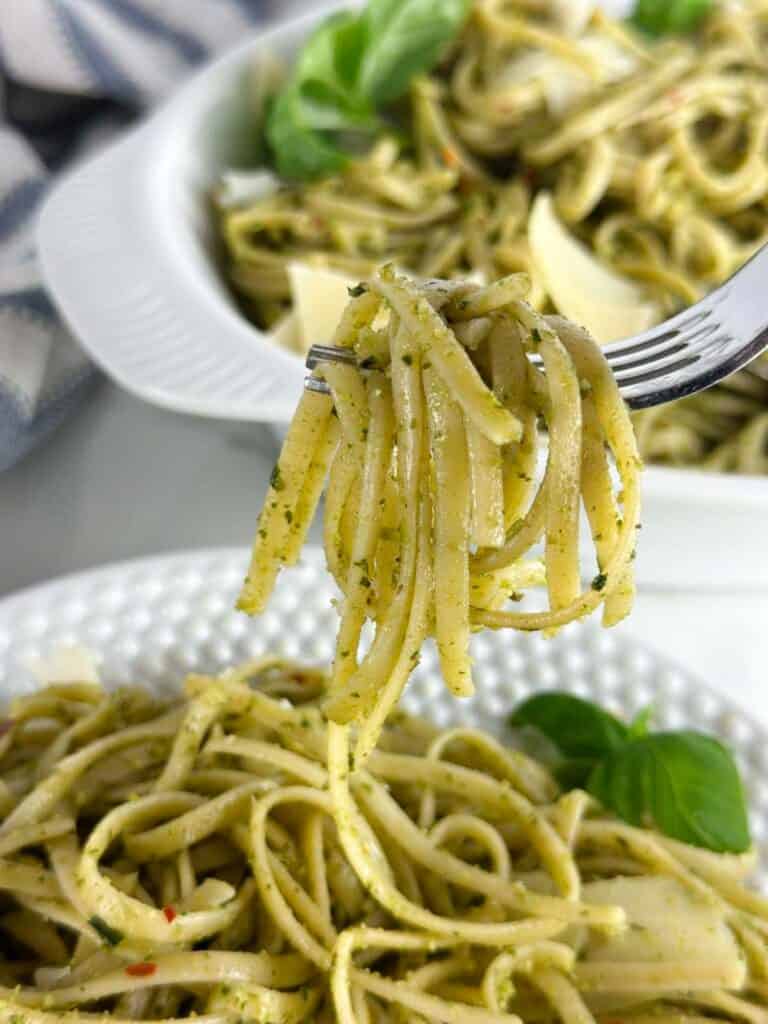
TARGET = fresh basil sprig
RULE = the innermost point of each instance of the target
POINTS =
(684, 783)
(661, 17)
(352, 66)
(402, 39)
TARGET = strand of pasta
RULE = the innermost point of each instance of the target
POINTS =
(654, 152)
(421, 432)
(423, 884)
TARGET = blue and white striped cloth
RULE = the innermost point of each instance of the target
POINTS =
(129, 51)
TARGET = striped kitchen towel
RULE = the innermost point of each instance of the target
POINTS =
(73, 72)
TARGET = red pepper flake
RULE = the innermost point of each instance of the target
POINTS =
(170, 914)
(450, 159)
(142, 970)
(6, 724)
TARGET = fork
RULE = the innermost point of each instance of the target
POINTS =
(688, 353)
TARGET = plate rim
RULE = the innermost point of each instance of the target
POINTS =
(29, 633)
(313, 554)
(134, 562)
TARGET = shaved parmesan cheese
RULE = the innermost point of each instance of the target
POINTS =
(563, 83)
(286, 334)
(581, 287)
(573, 16)
(476, 276)
(319, 299)
(618, 9)
(73, 664)
(666, 922)
(238, 188)
(568, 85)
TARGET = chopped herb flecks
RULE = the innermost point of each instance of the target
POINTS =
(110, 935)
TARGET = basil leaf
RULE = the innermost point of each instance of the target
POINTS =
(659, 17)
(298, 150)
(685, 784)
(326, 71)
(638, 727)
(350, 66)
(404, 38)
(573, 772)
(320, 103)
(578, 728)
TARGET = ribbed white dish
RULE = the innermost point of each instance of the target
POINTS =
(128, 253)
(154, 620)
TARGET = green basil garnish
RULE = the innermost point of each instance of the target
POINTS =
(661, 17)
(684, 783)
(403, 39)
(110, 935)
(351, 66)
(580, 730)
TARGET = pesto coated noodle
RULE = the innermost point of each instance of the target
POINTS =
(653, 153)
(218, 857)
(283, 846)
(429, 445)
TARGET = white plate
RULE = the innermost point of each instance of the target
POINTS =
(126, 247)
(154, 620)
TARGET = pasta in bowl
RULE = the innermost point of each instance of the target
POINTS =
(163, 238)
(626, 176)
(205, 857)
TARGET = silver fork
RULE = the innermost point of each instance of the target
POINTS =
(689, 352)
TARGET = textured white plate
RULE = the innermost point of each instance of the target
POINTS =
(154, 620)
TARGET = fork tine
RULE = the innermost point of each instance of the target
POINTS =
(318, 354)
(703, 346)
(658, 335)
(647, 356)
(316, 384)
(656, 370)
(691, 351)
(697, 341)
(723, 333)
(329, 354)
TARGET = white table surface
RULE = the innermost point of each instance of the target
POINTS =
(122, 479)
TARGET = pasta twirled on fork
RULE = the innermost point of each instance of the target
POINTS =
(430, 446)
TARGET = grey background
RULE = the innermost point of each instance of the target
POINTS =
(121, 479)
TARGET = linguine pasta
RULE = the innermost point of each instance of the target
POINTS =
(429, 444)
(220, 858)
(654, 154)
(284, 847)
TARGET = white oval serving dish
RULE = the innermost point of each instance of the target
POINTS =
(127, 251)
